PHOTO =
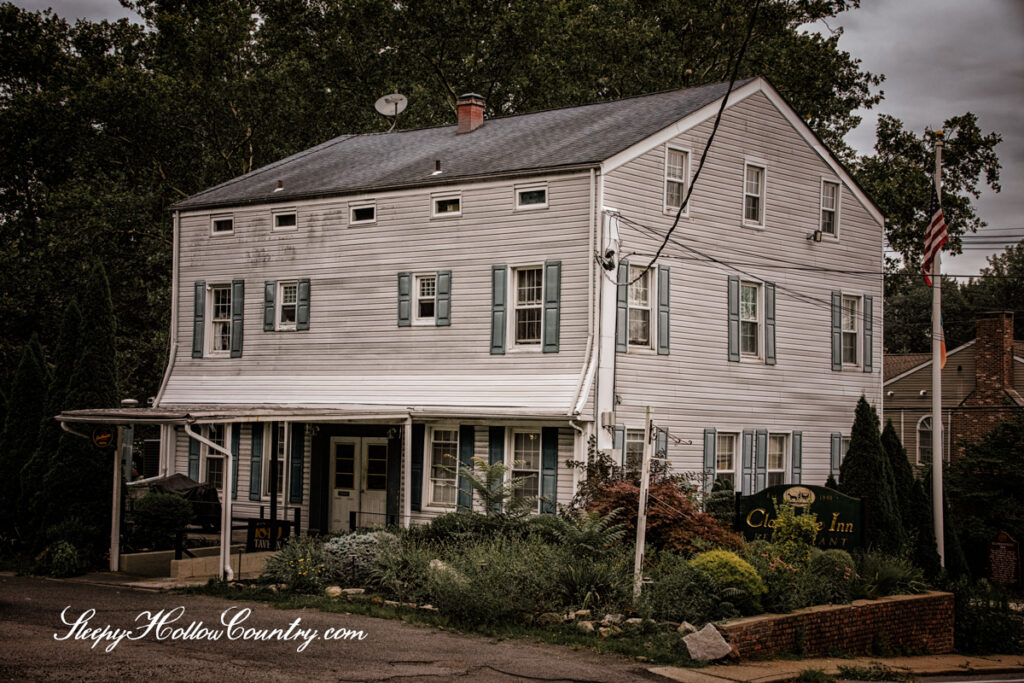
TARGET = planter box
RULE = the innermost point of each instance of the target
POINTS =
(158, 562)
(912, 623)
(208, 567)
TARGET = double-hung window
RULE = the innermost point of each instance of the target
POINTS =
(287, 302)
(676, 172)
(727, 446)
(425, 292)
(526, 463)
(829, 208)
(634, 450)
(851, 330)
(640, 306)
(528, 300)
(220, 319)
(214, 459)
(778, 449)
(281, 446)
(753, 195)
(750, 319)
(444, 464)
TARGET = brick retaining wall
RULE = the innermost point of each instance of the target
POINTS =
(902, 623)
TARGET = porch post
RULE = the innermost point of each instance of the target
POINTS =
(115, 510)
(407, 473)
(226, 573)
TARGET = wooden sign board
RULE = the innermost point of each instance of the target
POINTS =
(257, 536)
(1004, 560)
(839, 515)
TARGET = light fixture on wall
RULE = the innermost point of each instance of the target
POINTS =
(814, 236)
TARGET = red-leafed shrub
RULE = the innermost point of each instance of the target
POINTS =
(673, 521)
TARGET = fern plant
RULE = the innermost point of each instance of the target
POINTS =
(591, 534)
(496, 489)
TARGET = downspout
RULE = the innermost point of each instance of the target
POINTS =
(226, 572)
(173, 340)
(577, 453)
(407, 473)
(589, 355)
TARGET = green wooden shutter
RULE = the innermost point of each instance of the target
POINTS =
(499, 303)
(869, 330)
(302, 305)
(237, 317)
(236, 439)
(747, 445)
(404, 299)
(761, 461)
(256, 462)
(734, 318)
(769, 323)
(549, 470)
(837, 453)
(496, 451)
(619, 444)
(837, 330)
(416, 469)
(664, 293)
(274, 472)
(798, 458)
(710, 457)
(269, 293)
(198, 318)
(298, 462)
(193, 459)
(622, 308)
(552, 305)
(443, 299)
(466, 436)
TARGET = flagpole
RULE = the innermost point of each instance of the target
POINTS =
(940, 544)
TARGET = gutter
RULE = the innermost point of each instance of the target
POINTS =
(173, 339)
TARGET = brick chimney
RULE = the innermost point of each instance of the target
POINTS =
(471, 112)
(993, 353)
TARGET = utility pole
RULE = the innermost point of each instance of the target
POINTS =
(641, 516)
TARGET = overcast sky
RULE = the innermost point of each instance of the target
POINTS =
(940, 58)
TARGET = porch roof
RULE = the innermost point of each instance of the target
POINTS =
(206, 413)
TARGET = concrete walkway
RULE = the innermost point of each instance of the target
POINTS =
(775, 670)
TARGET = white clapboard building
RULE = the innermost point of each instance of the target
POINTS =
(375, 310)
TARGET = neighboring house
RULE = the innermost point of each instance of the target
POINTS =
(380, 308)
(982, 384)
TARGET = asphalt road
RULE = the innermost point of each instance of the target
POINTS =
(37, 644)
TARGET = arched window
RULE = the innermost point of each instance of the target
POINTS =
(924, 441)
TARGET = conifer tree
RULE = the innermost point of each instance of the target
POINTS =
(865, 473)
(830, 483)
(21, 428)
(66, 354)
(902, 472)
(78, 480)
(925, 552)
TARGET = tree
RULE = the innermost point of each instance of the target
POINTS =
(913, 503)
(1001, 286)
(902, 472)
(865, 473)
(20, 429)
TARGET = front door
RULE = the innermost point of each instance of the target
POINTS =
(359, 475)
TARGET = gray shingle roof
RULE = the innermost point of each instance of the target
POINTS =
(545, 140)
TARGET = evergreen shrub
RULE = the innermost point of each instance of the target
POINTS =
(157, 519)
(729, 571)
(830, 578)
(352, 558)
(679, 592)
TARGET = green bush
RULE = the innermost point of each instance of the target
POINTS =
(463, 527)
(830, 578)
(782, 581)
(882, 574)
(352, 558)
(793, 535)
(402, 570)
(730, 571)
(157, 518)
(63, 560)
(89, 540)
(721, 503)
(301, 564)
(587, 583)
(588, 534)
(984, 622)
(678, 592)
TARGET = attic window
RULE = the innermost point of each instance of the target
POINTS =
(531, 198)
(222, 225)
(448, 206)
(285, 220)
(363, 214)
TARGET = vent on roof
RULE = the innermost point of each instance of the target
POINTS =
(471, 112)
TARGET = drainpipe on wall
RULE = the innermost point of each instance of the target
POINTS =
(226, 573)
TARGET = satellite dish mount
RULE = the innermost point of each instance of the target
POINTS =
(392, 105)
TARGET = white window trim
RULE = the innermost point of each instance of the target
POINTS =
(416, 319)
(737, 456)
(279, 303)
(510, 332)
(209, 322)
(759, 356)
(510, 442)
(284, 212)
(763, 165)
(686, 180)
(821, 205)
(859, 323)
(787, 457)
(221, 217)
(435, 198)
(426, 489)
(652, 308)
(519, 189)
(362, 205)
(284, 461)
(206, 453)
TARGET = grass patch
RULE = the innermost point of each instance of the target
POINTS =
(654, 646)
(876, 671)
(815, 676)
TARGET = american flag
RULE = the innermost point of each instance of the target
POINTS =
(934, 237)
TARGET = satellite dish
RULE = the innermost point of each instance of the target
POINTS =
(392, 105)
